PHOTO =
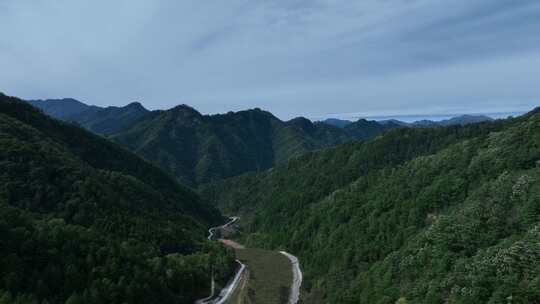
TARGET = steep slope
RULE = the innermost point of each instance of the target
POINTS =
(201, 148)
(438, 215)
(99, 120)
(84, 220)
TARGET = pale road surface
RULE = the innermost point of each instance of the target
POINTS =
(211, 230)
(294, 296)
(231, 244)
(227, 291)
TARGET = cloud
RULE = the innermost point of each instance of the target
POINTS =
(292, 57)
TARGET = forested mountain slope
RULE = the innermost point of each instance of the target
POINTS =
(203, 148)
(443, 215)
(83, 220)
(100, 120)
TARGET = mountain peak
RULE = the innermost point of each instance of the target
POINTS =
(184, 115)
(257, 111)
(302, 123)
(340, 123)
(136, 105)
(300, 119)
(184, 108)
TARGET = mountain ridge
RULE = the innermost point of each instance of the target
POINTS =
(101, 120)
(201, 148)
(456, 120)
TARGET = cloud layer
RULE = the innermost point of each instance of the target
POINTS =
(293, 57)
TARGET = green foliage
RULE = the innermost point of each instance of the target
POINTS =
(84, 221)
(200, 148)
(440, 215)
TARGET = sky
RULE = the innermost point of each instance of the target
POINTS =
(319, 58)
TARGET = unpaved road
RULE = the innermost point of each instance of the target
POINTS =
(227, 291)
(212, 231)
(294, 296)
(231, 244)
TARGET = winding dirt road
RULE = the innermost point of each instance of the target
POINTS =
(227, 291)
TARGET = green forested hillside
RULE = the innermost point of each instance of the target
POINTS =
(201, 148)
(84, 221)
(444, 215)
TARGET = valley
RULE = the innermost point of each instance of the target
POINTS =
(263, 276)
(270, 152)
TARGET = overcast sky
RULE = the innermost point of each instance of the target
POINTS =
(292, 57)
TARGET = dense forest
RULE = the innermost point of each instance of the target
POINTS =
(443, 214)
(198, 148)
(416, 215)
(203, 148)
(83, 220)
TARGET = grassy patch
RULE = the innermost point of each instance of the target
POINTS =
(269, 277)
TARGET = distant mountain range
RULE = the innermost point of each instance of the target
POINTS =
(365, 129)
(100, 120)
(458, 120)
(200, 148)
(203, 148)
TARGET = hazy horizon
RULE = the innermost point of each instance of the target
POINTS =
(354, 116)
